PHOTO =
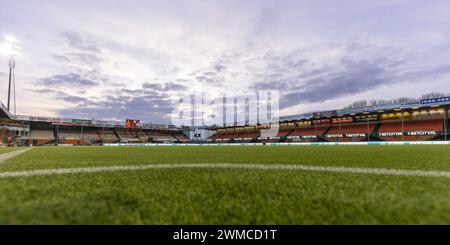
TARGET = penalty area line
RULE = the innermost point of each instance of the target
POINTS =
(354, 170)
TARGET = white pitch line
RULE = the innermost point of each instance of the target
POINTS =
(355, 170)
(8, 155)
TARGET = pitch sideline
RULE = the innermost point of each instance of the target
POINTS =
(355, 170)
(8, 155)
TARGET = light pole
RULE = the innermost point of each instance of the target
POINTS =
(11, 80)
(13, 50)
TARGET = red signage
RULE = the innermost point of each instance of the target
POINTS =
(132, 123)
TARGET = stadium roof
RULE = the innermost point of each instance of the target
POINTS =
(369, 109)
(3, 111)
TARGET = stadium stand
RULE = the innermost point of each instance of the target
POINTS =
(308, 134)
(161, 136)
(107, 135)
(248, 136)
(41, 134)
(410, 130)
(224, 136)
(129, 135)
(72, 135)
(90, 135)
(350, 132)
(285, 132)
(410, 122)
(180, 137)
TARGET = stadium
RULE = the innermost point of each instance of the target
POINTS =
(385, 164)
(423, 120)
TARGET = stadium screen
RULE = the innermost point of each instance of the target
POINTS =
(132, 123)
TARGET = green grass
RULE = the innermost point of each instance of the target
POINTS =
(227, 196)
(423, 157)
(7, 149)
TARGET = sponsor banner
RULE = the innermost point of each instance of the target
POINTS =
(409, 133)
(269, 138)
(335, 136)
(309, 136)
(45, 119)
(443, 100)
(295, 143)
(387, 134)
(293, 137)
(418, 133)
(345, 135)
(82, 121)
(355, 135)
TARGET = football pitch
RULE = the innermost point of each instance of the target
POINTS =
(227, 185)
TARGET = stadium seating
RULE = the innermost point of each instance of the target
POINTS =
(248, 136)
(41, 137)
(307, 134)
(320, 130)
(132, 136)
(73, 135)
(224, 136)
(161, 136)
(413, 130)
(164, 139)
(180, 137)
(42, 134)
(349, 132)
(284, 132)
(426, 125)
(107, 135)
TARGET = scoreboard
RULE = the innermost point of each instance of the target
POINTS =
(130, 123)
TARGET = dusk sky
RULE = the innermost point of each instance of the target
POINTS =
(133, 59)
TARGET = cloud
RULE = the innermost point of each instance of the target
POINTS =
(70, 80)
(60, 95)
(152, 103)
(167, 87)
(360, 68)
(219, 67)
(311, 52)
(149, 107)
(76, 41)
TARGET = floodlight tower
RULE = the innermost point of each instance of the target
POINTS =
(12, 86)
